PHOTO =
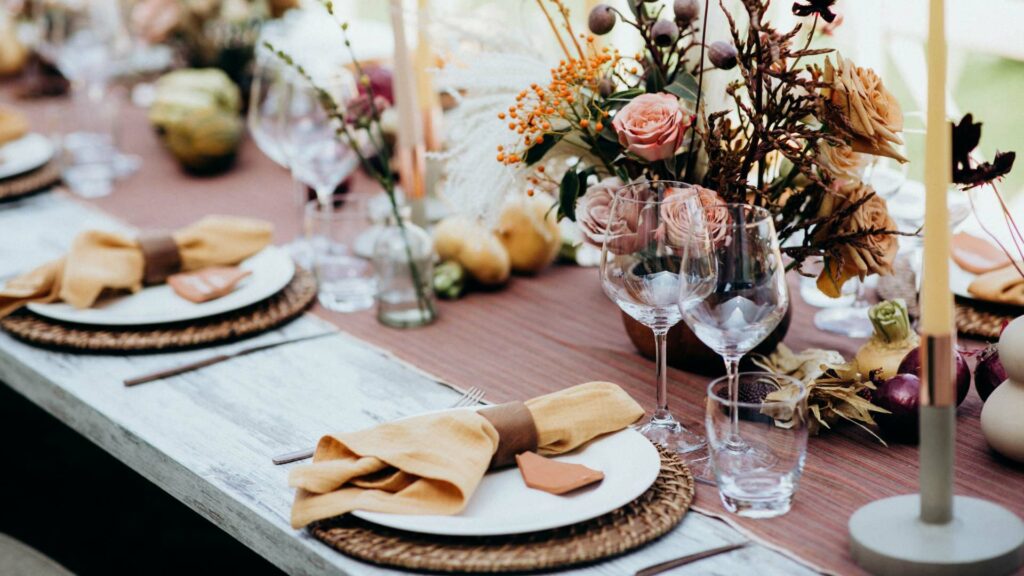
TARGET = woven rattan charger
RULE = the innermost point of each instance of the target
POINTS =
(22, 185)
(271, 313)
(645, 519)
(982, 319)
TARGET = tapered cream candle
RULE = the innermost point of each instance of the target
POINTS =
(409, 151)
(430, 105)
(936, 297)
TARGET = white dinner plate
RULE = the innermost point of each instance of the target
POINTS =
(272, 269)
(503, 504)
(24, 154)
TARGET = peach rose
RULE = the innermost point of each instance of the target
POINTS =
(841, 162)
(871, 111)
(870, 254)
(676, 218)
(652, 126)
(621, 230)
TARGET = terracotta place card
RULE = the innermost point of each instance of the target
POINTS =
(555, 477)
(207, 284)
(976, 255)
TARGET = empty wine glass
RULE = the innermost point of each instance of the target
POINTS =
(652, 228)
(83, 39)
(747, 297)
(268, 101)
(317, 155)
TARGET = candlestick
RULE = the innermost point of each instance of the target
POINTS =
(935, 532)
(409, 150)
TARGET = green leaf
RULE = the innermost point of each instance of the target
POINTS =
(567, 193)
(684, 86)
(536, 152)
(627, 94)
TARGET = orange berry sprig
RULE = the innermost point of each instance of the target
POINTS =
(567, 102)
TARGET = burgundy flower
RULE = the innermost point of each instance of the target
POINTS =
(822, 8)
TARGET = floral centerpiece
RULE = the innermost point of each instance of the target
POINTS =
(802, 123)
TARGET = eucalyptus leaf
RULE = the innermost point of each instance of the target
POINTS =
(685, 86)
(536, 152)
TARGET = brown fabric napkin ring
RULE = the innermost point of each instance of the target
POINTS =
(160, 255)
(517, 432)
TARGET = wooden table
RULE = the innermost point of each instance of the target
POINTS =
(207, 437)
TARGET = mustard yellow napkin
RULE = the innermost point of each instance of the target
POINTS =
(13, 125)
(432, 464)
(104, 260)
(1004, 285)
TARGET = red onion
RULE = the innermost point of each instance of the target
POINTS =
(900, 395)
(911, 364)
(989, 372)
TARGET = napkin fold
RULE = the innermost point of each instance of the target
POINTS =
(432, 464)
(103, 260)
(1004, 285)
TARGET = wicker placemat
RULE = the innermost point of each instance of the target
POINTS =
(645, 519)
(271, 313)
(29, 183)
(982, 320)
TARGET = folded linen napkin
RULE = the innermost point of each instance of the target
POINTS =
(13, 125)
(432, 464)
(104, 260)
(1004, 285)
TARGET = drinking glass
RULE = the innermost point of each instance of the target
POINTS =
(317, 155)
(268, 101)
(345, 282)
(653, 229)
(747, 297)
(769, 414)
(84, 39)
(887, 177)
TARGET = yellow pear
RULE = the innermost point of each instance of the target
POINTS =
(476, 248)
(528, 227)
(13, 54)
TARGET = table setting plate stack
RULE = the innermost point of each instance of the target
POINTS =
(27, 165)
(155, 318)
(509, 527)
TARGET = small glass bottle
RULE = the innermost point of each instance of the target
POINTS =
(404, 258)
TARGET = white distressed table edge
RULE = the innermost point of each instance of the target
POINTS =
(85, 393)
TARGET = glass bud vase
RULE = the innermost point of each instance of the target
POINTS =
(404, 258)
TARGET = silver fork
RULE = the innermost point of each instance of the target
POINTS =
(470, 397)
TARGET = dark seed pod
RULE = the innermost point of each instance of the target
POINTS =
(722, 55)
(606, 87)
(665, 32)
(601, 19)
(687, 11)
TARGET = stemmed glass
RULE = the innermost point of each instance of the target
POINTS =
(652, 229)
(84, 39)
(747, 295)
(316, 154)
(886, 177)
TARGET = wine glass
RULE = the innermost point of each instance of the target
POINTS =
(268, 101)
(886, 177)
(652, 228)
(84, 39)
(747, 296)
(316, 153)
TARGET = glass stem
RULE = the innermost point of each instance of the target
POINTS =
(860, 299)
(732, 371)
(660, 359)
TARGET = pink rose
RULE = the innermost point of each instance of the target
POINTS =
(676, 218)
(652, 126)
(622, 230)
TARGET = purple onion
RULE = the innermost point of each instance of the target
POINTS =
(900, 395)
(911, 364)
(989, 372)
